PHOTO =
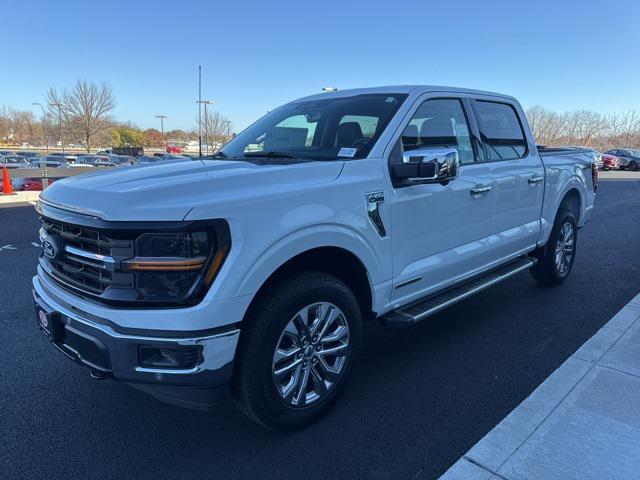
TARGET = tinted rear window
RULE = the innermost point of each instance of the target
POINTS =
(500, 130)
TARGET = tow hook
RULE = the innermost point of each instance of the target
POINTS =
(96, 375)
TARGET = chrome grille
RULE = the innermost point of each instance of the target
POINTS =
(88, 259)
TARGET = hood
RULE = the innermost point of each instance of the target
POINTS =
(167, 191)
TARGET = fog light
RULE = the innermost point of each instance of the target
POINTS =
(169, 357)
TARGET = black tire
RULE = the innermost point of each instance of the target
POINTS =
(622, 168)
(253, 387)
(633, 165)
(547, 271)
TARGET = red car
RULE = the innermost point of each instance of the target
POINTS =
(609, 161)
(174, 149)
(29, 184)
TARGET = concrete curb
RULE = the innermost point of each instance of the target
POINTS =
(19, 197)
(565, 428)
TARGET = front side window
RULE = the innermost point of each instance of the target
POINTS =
(325, 129)
(439, 123)
(500, 131)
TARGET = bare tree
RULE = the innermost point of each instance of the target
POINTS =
(85, 109)
(19, 126)
(547, 126)
(218, 127)
(624, 130)
(585, 128)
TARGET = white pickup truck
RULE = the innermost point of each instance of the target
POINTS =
(252, 271)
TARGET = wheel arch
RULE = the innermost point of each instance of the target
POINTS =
(333, 260)
(572, 201)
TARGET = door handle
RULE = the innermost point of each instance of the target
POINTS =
(534, 180)
(480, 189)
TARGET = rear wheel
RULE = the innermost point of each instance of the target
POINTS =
(555, 260)
(297, 350)
(633, 165)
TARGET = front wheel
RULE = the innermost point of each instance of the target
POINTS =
(555, 260)
(633, 165)
(297, 350)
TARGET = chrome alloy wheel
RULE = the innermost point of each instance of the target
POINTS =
(311, 354)
(565, 248)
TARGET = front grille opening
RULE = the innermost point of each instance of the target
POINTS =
(88, 275)
(84, 238)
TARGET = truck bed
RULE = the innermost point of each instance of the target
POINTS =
(547, 151)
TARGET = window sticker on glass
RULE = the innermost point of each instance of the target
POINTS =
(347, 152)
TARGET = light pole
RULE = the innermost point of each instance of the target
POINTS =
(199, 110)
(59, 105)
(206, 122)
(162, 117)
(44, 126)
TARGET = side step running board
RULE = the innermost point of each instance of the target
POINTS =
(423, 308)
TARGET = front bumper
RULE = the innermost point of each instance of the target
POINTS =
(99, 345)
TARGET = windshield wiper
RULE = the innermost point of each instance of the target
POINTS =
(274, 154)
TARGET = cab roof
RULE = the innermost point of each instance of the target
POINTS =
(406, 89)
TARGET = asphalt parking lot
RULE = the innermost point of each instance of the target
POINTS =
(419, 399)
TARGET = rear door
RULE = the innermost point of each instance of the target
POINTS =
(518, 177)
(439, 230)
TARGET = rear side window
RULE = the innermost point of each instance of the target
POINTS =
(500, 130)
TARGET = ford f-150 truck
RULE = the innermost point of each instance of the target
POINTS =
(251, 272)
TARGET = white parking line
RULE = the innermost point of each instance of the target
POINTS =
(11, 246)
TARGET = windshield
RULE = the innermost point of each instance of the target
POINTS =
(325, 129)
(14, 160)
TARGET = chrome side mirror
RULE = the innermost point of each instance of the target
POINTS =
(428, 165)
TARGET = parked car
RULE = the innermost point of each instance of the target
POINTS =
(123, 160)
(627, 158)
(51, 161)
(85, 161)
(165, 158)
(256, 268)
(29, 155)
(174, 149)
(4, 153)
(128, 151)
(97, 160)
(14, 161)
(29, 184)
(147, 159)
(68, 157)
(610, 162)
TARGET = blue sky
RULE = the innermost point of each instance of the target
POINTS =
(256, 55)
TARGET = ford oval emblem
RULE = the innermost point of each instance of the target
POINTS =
(49, 248)
(44, 321)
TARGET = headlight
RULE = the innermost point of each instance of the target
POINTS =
(174, 266)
